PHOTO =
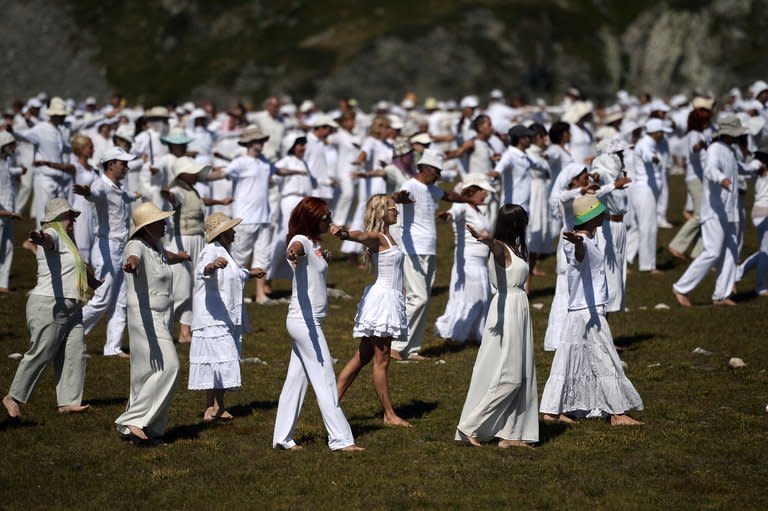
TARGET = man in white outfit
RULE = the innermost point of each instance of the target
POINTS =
(515, 166)
(113, 211)
(645, 189)
(719, 217)
(417, 237)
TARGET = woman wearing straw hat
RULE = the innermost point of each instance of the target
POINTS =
(219, 317)
(154, 363)
(54, 315)
(187, 234)
(310, 357)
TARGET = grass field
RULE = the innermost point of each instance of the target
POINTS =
(704, 445)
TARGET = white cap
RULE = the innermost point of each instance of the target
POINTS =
(408, 103)
(656, 125)
(6, 138)
(381, 105)
(306, 106)
(395, 122)
(497, 94)
(758, 87)
(469, 102)
(90, 100)
(34, 103)
(657, 105)
(116, 153)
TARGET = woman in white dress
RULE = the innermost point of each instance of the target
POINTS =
(218, 317)
(502, 399)
(540, 235)
(586, 378)
(310, 357)
(154, 363)
(85, 232)
(381, 312)
(557, 157)
(469, 290)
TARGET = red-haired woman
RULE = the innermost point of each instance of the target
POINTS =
(310, 358)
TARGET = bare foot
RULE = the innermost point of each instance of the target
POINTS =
(397, 421)
(625, 420)
(74, 408)
(472, 440)
(296, 447)
(4, 290)
(12, 407)
(656, 271)
(763, 293)
(505, 444)
(538, 272)
(123, 354)
(209, 415)
(560, 419)
(677, 255)
(395, 355)
(682, 299)
(726, 301)
(416, 356)
(226, 416)
(138, 432)
(352, 448)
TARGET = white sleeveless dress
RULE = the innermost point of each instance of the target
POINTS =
(381, 312)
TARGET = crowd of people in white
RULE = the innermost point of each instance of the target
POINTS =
(157, 194)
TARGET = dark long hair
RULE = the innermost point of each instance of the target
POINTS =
(306, 217)
(698, 119)
(510, 229)
(557, 130)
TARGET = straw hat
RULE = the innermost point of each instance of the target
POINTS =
(157, 112)
(306, 106)
(186, 165)
(430, 104)
(147, 213)
(702, 102)
(731, 126)
(753, 124)
(577, 110)
(401, 147)
(125, 131)
(479, 180)
(432, 158)
(57, 207)
(218, 223)
(57, 107)
(586, 207)
(324, 120)
(252, 134)
(613, 117)
(177, 135)
(6, 138)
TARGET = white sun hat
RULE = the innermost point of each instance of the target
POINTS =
(432, 158)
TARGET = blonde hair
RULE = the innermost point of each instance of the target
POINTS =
(379, 124)
(79, 143)
(373, 220)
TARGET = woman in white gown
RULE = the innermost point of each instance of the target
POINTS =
(502, 398)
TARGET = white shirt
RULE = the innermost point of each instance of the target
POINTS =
(760, 207)
(318, 166)
(309, 295)
(514, 167)
(202, 143)
(250, 182)
(582, 144)
(151, 184)
(694, 168)
(148, 142)
(217, 299)
(49, 146)
(112, 208)
(8, 175)
(608, 167)
(463, 214)
(295, 184)
(645, 171)
(417, 221)
(587, 286)
(376, 151)
(716, 201)
(349, 148)
(275, 128)
(501, 116)
(56, 274)
(557, 158)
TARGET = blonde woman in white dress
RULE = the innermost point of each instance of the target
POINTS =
(502, 399)
(381, 312)
(154, 363)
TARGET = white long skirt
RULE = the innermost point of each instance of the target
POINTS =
(586, 376)
(538, 219)
(612, 239)
(470, 291)
(559, 309)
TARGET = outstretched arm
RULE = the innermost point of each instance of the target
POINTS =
(370, 239)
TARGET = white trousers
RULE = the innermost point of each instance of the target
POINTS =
(107, 258)
(311, 362)
(252, 239)
(690, 231)
(662, 203)
(346, 195)
(6, 250)
(759, 258)
(419, 275)
(720, 248)
(643, 200)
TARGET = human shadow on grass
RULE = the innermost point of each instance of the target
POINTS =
(439, 290)
(8, 423)
(549, 431)
(185, 432)
(625, 341)
(244, 410)
(106, 401)
(446, 347)
(539, 293)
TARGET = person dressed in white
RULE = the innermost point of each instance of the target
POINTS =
(151, 150)
(586, 378)
(469, 290)
(557, 157)
(154, 362)
(310, 357)
(54, 315)
(582, 141)
(112, 208)
(644, 192)
(608, 167)
(348, 145)
(502, 399)
(759, 259)
(29, 116)
(541, 239)
(156, 178)
(323, 174)
(418, 199)
(381, 312)
(9, 173)
(719, 216)
(85, 175)
(515, 166)
(201, 146)
(219, 317)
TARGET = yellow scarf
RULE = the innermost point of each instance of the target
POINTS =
(82, 276)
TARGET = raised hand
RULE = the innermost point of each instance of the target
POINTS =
(131, 265)
(219, 262)
(480, 236)
(85, 191)
(622, 182)
(37, 237)
(573, 237)
(402, 197)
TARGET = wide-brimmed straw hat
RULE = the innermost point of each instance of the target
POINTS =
(702, 102)
(586, 207)
(147, 213)
(186, 165)
(157, 112)
(252, 134)
(432, 158)
(57, 107)
(578, 110)
(178, 136)
(324, 120)
(218, 223)
(731, 126)
(54, 208)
